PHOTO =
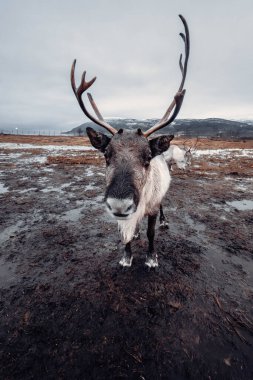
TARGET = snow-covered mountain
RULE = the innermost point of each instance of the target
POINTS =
(212, 127)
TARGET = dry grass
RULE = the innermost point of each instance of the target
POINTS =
(90, 159)
(44, 140)
(28, 152)
(214, 144)
(230, 166)
(84, 141)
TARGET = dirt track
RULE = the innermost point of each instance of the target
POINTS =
(69, 312)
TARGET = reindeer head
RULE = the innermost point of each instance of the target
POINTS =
(129, 154)
(189, 149)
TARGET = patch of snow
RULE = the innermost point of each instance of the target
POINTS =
(224, 152)
(242, 187)
(89, 172)
(27, 190)
(7, 156)
(45, 147)
(48, 170)
(33, 160)
(56, 189)
(90, 187)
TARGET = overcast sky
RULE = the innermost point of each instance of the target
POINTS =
(132, 46)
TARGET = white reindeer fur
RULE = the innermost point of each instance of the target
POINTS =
(174, 153)
(154, 190)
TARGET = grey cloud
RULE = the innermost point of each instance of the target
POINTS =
(133, 48)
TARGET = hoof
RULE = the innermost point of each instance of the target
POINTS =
(126, 261)
(164, 225)
(151, 262)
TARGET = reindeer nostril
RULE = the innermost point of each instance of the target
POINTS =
(129, 208)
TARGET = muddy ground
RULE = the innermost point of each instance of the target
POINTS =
(67, 310)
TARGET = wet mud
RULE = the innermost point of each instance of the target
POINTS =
(68, 311)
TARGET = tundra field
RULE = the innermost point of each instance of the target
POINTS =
(68, 311)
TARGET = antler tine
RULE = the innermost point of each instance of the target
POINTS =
(180, 64)
(177, 102)
(178, 99)
(85, 85)
(186, 39)
(186, 148)
(94, 106)
(195, 145)
(72, 76)
(78, 93)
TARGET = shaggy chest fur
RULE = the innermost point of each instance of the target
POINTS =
(154, 190)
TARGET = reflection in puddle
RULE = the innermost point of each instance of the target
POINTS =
(9, 231)
(27, 190)
(242, 205)
(198, 227)
(3, 189)
(58, 189)
(75, 214)
(7, 272)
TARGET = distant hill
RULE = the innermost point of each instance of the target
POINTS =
(214, 127)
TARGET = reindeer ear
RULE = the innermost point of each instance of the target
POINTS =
(98, 139)
(160, 144)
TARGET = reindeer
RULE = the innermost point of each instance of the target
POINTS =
(178, 155)
(137, 175)
(181, 155)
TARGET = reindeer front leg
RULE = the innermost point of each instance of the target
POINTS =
(127, 258)
(151, 259)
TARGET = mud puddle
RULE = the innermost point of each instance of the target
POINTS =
(9, 232)
(3, 188)
(242, 205)
(69, 311)
(7, 273)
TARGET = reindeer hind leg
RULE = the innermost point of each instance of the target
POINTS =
(163, 223)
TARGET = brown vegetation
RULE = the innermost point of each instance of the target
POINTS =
(91, 159)
(44, 140)
(74, 140)
(229, 166)
(68, 311)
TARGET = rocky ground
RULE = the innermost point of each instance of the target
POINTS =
(69, 312)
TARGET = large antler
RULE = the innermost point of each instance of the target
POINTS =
(179, 97)
(78, 93)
